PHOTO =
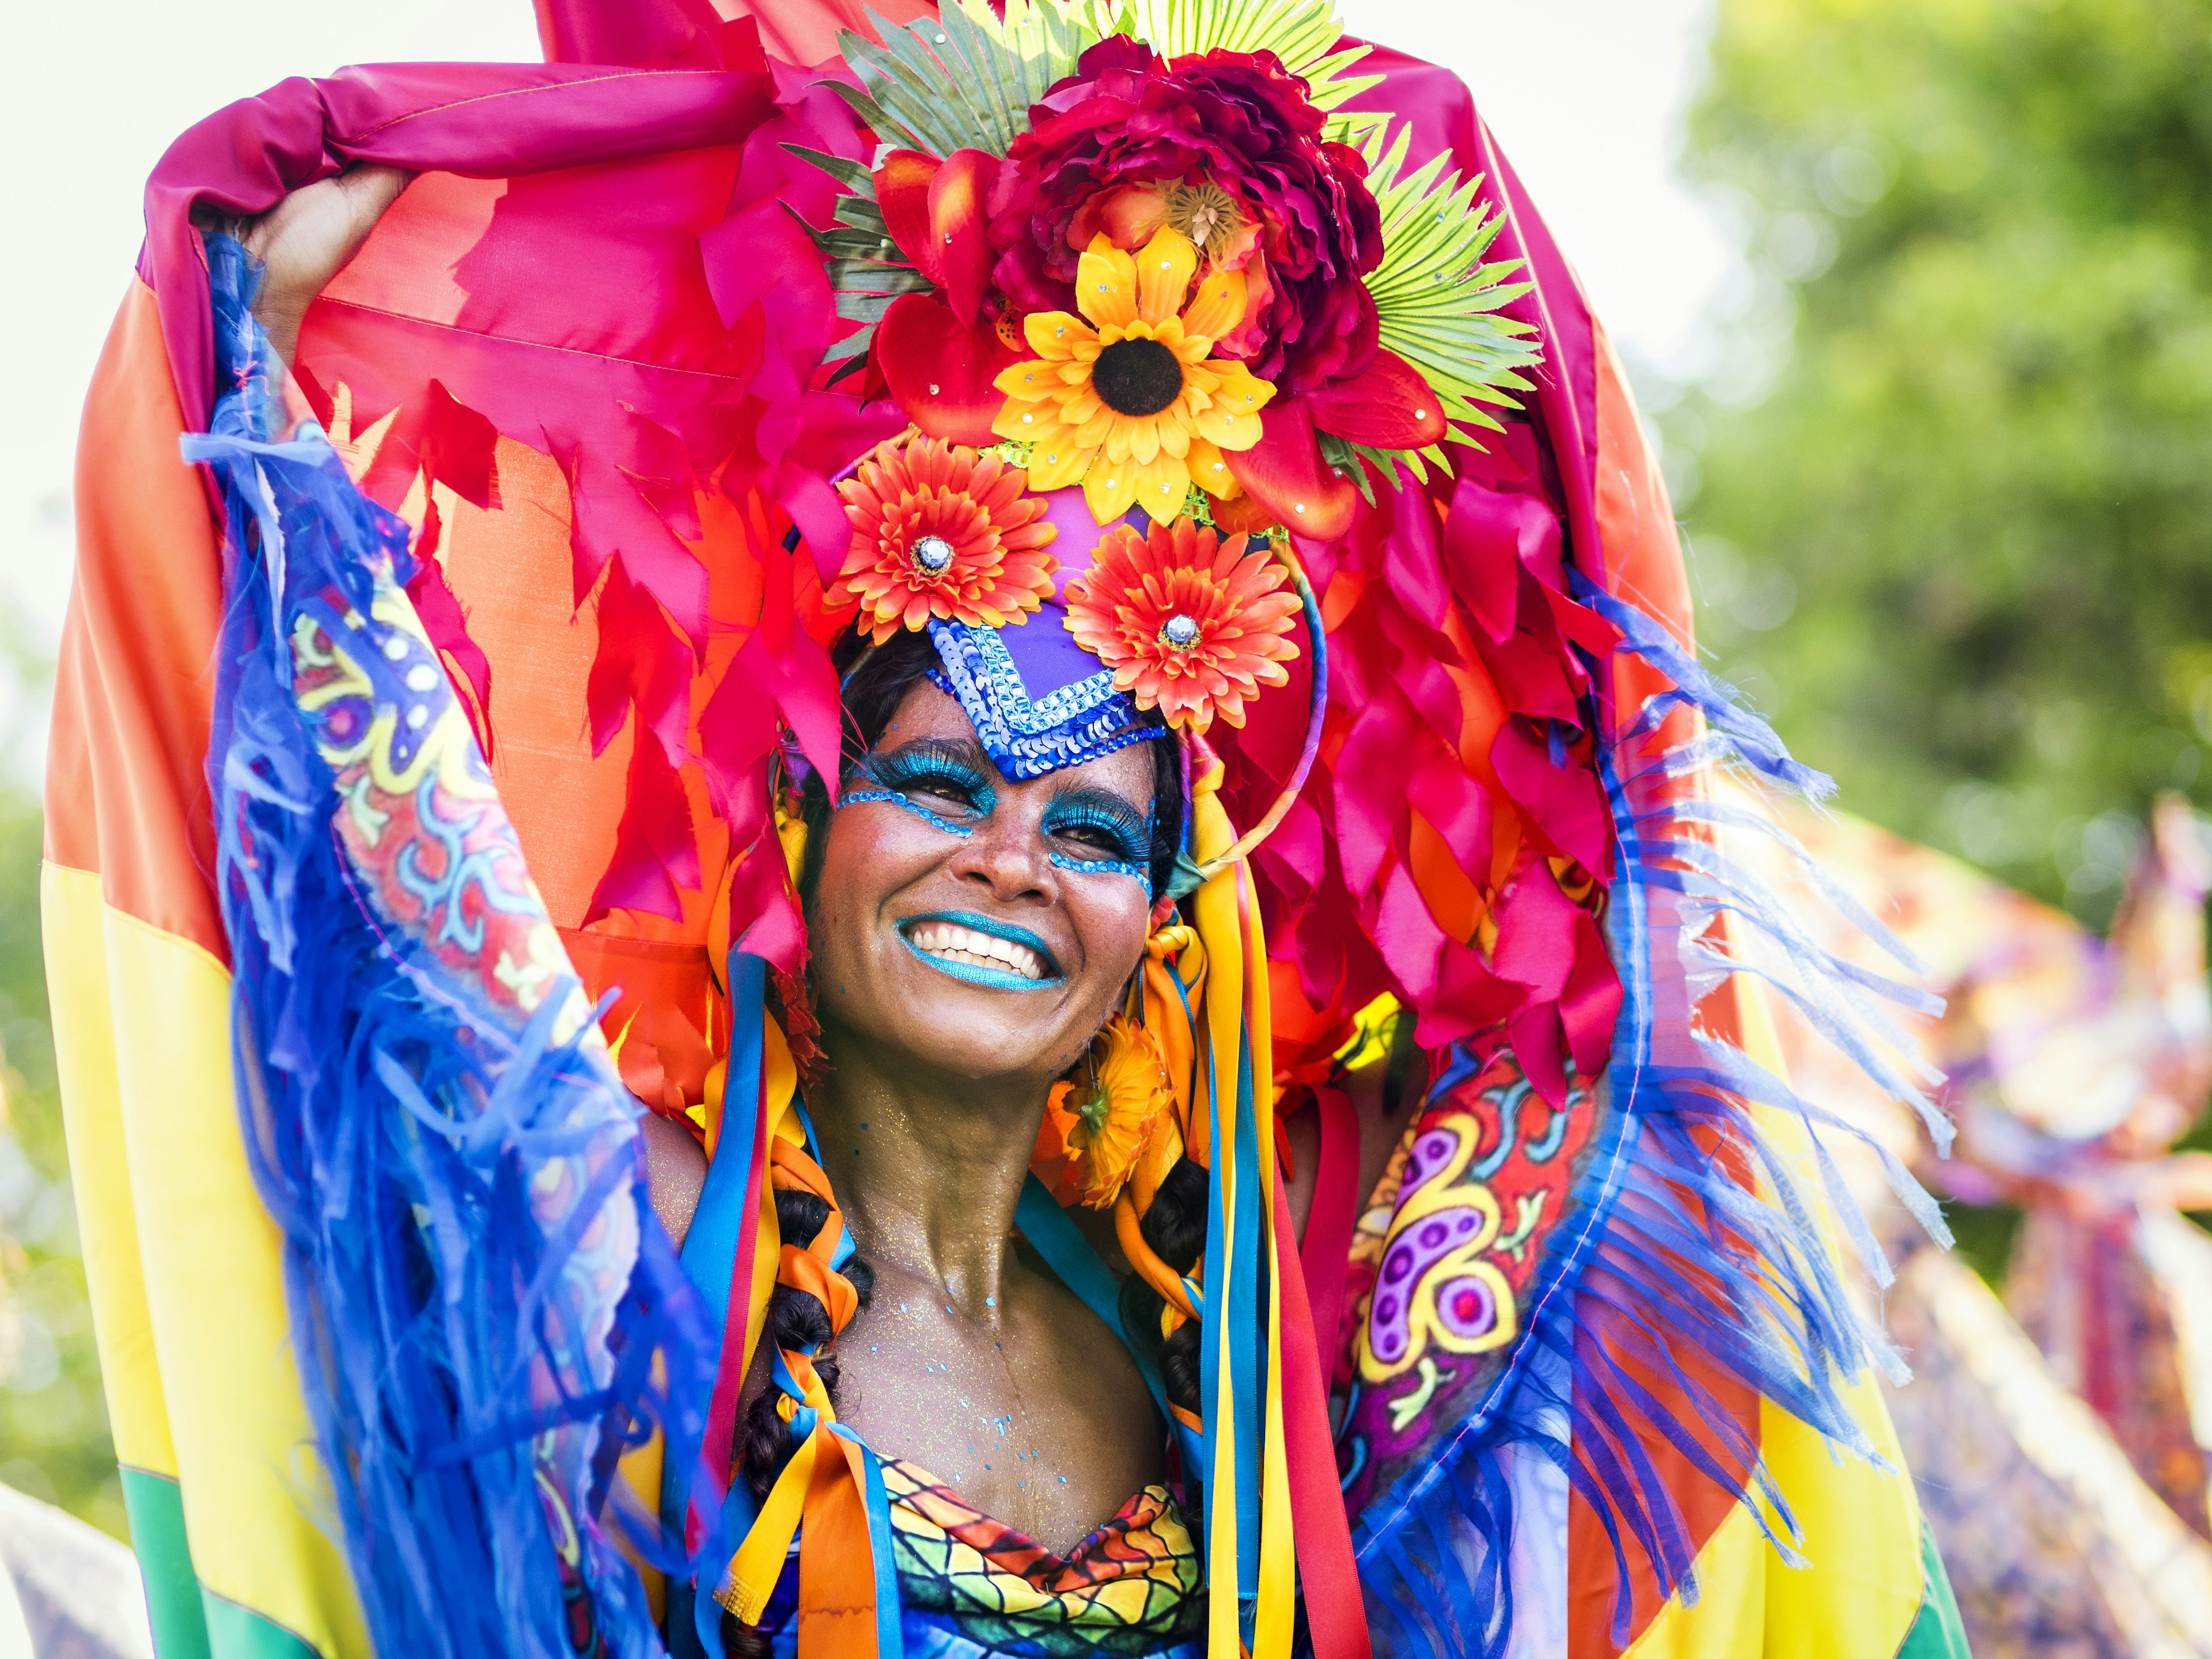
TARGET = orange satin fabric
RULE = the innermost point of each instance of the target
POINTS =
(134, 691)
(509, 566)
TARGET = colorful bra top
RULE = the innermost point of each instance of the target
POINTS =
(971, 1586)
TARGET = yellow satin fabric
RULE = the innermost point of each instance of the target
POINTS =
(184, 1264)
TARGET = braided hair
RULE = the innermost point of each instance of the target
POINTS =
(1175, 1227)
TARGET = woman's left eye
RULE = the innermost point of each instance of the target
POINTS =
(1100, 837)
(1091, 835)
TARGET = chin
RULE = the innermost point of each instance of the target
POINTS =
(971, 1021)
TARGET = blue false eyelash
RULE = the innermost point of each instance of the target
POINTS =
(1130, 850)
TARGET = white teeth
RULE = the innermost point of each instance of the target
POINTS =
(958, 943)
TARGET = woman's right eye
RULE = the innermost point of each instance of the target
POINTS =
(941, 784)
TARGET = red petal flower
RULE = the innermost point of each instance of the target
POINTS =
(939, 530)
(1388, 404)
(1191, 623)
(934, 211)
(942, 372)
(1285, 473)
(1238, 122)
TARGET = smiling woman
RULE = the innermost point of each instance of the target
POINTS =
(971, 937)
(978, 910)
(941, 891)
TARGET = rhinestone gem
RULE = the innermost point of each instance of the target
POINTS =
(1179, 632)
(933, 554)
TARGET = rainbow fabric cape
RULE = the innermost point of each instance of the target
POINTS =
(411, 795)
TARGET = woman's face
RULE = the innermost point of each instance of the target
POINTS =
(979, 928)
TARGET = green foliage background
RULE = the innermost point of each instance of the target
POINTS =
(1960, 546)
(54, 1441)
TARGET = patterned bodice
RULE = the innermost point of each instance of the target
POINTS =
(971, 1586)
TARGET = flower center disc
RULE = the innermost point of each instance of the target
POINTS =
(1137, 377)
(1094, 1111)
(1179, 632)
(932, 553)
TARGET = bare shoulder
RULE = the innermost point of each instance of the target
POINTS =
(675, 1172)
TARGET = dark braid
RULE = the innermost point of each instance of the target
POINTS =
(1175, 1228)
(795, 1321)
(798, 1321)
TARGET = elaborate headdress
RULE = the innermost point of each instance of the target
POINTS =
(1136, 289)
(1243, 307)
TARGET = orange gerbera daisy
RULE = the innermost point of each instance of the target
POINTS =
(1191, 622)
(1102, 1120)
(941, 531)
(1135, 408)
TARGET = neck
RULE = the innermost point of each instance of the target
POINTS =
(927, 1170)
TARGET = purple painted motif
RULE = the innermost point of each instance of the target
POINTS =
(1445, 1261)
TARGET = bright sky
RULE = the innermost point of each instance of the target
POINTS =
(1585, 96)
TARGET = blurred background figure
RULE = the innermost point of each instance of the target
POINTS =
(2059, 1424)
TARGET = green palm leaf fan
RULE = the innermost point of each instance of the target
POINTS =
(1439, 303)
(962, 80)
(1303, 34)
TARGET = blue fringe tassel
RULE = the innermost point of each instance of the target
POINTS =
(469, 1385)
(1671, 1252)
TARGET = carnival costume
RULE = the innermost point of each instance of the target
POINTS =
(1188, 373)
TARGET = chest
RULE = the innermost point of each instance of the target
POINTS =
(1034, 1412)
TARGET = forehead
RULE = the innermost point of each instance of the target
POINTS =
(928, 712)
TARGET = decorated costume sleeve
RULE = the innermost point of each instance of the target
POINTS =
(224, 1490)
(295, 963)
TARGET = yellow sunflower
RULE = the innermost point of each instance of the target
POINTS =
(1130, 402)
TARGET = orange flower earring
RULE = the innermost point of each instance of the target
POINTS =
(1097, 1123)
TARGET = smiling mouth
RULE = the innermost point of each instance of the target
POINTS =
(955, 944)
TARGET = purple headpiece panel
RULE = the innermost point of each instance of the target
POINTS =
(1039, 701)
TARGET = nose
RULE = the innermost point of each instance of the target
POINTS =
(1007, 854)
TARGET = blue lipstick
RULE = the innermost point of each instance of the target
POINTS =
(973, 972)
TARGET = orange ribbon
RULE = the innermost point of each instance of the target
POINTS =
(805, 1270)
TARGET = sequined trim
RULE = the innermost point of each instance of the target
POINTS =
(1105, 867)
(863, 797)
(1028, 738)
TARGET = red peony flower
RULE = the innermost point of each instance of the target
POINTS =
(1191, 623)
(941, 531)
(1223, 147)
